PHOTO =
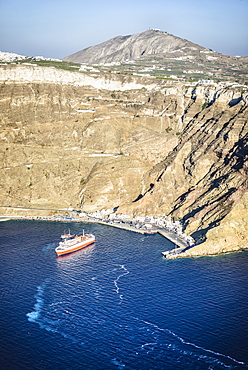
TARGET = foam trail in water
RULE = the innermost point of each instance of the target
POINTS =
(117, 279)
(44, 323)
(118, 363)
(48, 247)
(35, 314)
(149, 346)
(193, 344)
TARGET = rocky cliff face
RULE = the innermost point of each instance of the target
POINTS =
(11, 73)
(146, 147)
(204, 180)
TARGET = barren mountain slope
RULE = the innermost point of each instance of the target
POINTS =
(205, 178)
(170, 149)
(132, 47)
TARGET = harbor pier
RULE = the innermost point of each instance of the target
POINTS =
(181, 244)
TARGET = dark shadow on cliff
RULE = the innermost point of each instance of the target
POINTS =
(240, 152)
(217, 209)
(200, 235)
(140, 196)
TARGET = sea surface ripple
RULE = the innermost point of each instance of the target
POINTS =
(117, 304)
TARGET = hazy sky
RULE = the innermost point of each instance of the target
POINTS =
(57, 28)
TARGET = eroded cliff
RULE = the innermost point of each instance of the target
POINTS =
(145, 146)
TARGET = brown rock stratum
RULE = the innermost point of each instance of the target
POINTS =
(147, 146)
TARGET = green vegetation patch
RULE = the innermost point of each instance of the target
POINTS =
(51, 63)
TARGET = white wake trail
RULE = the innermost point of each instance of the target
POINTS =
(180, 339)
(126, 272)
(38, 315)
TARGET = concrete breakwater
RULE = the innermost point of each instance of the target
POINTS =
(122, 226)
(174, 238)
(180, 243)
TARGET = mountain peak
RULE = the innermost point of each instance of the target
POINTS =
(132, 47)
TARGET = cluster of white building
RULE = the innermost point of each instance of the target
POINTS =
(148, 223)
(87, 68)
(144, 222)
(10, 57)
(6, 57)
(37, 58)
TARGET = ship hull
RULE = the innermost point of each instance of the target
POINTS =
(74, 248)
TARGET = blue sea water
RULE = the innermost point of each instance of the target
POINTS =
(117, 304)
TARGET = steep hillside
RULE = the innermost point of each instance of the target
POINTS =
(150, 147)
(205, 177)
(132, 47)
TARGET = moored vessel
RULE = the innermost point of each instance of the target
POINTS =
(72, 243)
